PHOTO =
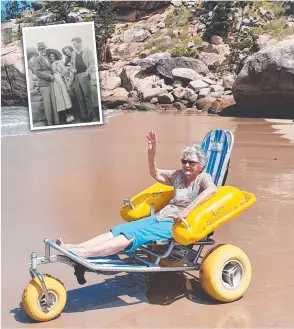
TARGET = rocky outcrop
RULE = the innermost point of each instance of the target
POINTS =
(140, 5)
(13, 81)
(166, 66)
(265, 86)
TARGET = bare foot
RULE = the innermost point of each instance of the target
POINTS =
(59, 242)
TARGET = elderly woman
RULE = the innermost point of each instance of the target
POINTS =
(191, 188)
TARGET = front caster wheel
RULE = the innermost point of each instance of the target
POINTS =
(225, 273)
(34, 301)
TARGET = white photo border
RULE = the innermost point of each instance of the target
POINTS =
(100, 122)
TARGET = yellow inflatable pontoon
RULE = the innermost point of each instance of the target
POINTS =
(225, 205)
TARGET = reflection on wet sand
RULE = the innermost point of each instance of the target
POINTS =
(72, 184)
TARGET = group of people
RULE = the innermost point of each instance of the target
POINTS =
(68, 87)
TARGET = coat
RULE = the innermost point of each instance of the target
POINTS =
(43, 71)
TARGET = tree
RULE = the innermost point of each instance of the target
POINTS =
(104, 21)
(12, 9)
(60, 8)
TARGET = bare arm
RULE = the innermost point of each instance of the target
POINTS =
(161, 176)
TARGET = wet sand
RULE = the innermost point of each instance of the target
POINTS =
(72, 183)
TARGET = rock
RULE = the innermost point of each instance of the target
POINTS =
(141, 5)
(185, 74)
(265, 40)
(120, 92)
(161, 25)
(132, 77)
(216, 40)
(220, 82)
(169, 88)
(204, 104)
(197, 85)
(13, 81)
(208, 80)
(216, 94)
(222, 49)
(211, 59)
(190, 95)
(113, 102)
(177, 3)
(217, 88)
(190, 45)
(203, 92)
(265, 85)
(179, 106)
(145, 107)
(150, 62)
(200, 27)
(131, 15)
(80, 15)
(135, 35)
(165, 66)
(165, 98)
(179, 92)
(150, 93)
(108, 82)
(228, 81)
(154, 100)
(158, 83)
(289, 25)
(125, 51)
(177, 83)
(228, 92)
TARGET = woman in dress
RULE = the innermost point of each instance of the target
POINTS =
(63, 101)
(191, 188)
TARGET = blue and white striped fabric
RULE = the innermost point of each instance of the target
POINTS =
(217, 145)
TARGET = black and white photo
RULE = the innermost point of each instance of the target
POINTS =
(62, 75)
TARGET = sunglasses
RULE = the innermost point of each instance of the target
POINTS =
(191, 163)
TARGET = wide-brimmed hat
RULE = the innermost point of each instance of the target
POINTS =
(41, 45)
(54, 51)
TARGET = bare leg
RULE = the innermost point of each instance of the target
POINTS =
(106, 248)
(87, 244)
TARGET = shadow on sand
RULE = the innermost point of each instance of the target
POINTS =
(130, 289)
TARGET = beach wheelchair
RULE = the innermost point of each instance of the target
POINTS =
(224, 270)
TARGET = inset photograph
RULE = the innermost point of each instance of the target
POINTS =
(62, 76)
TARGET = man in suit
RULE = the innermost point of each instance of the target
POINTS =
(45, 76)
(83, 63)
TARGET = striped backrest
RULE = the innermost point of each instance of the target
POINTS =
(217, 145)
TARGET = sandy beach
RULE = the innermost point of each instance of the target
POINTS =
(72, 183)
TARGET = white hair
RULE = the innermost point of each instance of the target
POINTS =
(193, 151)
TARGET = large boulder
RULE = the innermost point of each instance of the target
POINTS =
(125, 51)
(108, 81)
(141, 5)
(13, 81)
(135, 35)
(150, 62)
(133, 78)
(185, 74)
(166, 66)
(265, 85)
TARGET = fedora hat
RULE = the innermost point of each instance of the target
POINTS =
(41, 45)
(55, 52)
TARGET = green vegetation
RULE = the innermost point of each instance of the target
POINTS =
(178, 17)
(275, 28)
(277, 7)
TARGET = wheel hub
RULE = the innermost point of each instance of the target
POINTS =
(42, 303)
(232, 274)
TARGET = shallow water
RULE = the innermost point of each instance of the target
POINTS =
(72, 184)
(15, 121)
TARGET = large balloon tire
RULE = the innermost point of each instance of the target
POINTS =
(215, 267)
(33, 299)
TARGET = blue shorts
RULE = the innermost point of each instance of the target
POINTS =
(144, 231)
